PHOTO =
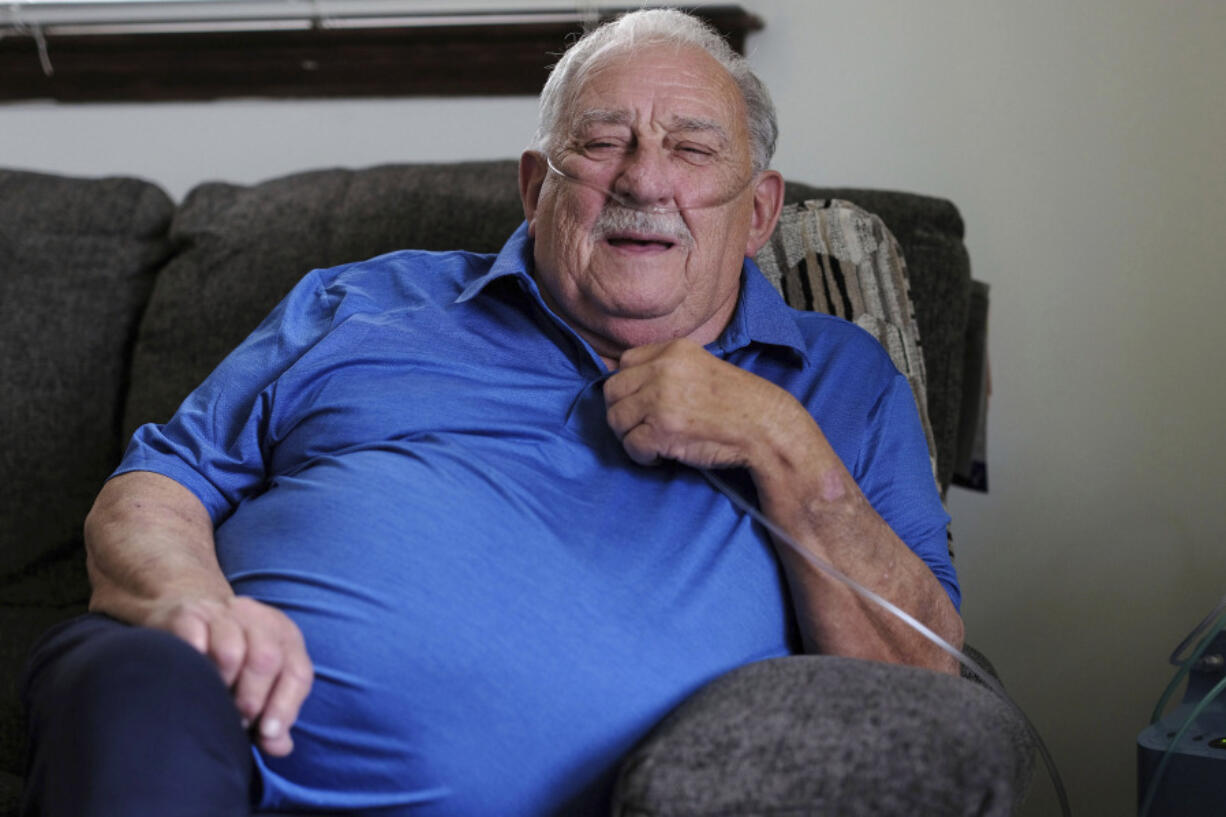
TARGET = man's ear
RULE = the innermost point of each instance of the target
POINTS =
(767, 205)
(532, 172)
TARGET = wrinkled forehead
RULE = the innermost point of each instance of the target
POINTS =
(678, 86)
(591, 121)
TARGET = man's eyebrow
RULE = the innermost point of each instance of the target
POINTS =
(687, 124)
(693, 123)
(599, 116)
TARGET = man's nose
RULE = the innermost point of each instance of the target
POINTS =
(644, 179)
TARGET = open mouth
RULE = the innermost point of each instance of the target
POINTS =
(631, 231)
(634, 242)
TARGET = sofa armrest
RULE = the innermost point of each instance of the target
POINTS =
(828, 735)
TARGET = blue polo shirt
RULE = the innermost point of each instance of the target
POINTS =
(410, 458)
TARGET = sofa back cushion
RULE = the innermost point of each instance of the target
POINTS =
(239, 249)
(831, 256)
(77, 260)
(929, 230)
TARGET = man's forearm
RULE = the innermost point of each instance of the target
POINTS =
(152, 562)
(677, 401)
(804, 488)
(148, 538)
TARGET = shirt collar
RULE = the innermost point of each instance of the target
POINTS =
(514, 259)
(761, 315)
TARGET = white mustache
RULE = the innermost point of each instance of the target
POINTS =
(615, 219)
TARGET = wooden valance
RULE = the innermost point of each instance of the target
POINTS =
(469, 56)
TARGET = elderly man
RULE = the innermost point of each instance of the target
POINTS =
(437, 524)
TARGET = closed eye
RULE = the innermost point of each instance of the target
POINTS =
(603, 147)
(696, 154)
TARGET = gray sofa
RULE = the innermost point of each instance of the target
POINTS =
(115, 302)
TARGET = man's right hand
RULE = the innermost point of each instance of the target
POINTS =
(260, 654)
(153, 563)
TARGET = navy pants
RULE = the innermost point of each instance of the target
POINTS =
(131, 722)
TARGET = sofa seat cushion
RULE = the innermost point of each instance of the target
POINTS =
(22, 626)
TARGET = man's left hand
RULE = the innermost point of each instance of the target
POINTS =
(677, 401)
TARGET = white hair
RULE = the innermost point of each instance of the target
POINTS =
(646, 27)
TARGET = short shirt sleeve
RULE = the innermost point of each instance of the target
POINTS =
(894, 471)
(215, 444)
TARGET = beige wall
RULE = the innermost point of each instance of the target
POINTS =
(1083, 143)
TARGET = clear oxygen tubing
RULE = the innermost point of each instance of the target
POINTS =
(716, 200)
(986, 677)
(1185, 665)
(1221, 607)
(1218, 617)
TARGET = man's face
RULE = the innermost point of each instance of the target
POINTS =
(660, 127)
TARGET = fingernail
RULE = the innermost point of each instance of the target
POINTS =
(270, 728)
